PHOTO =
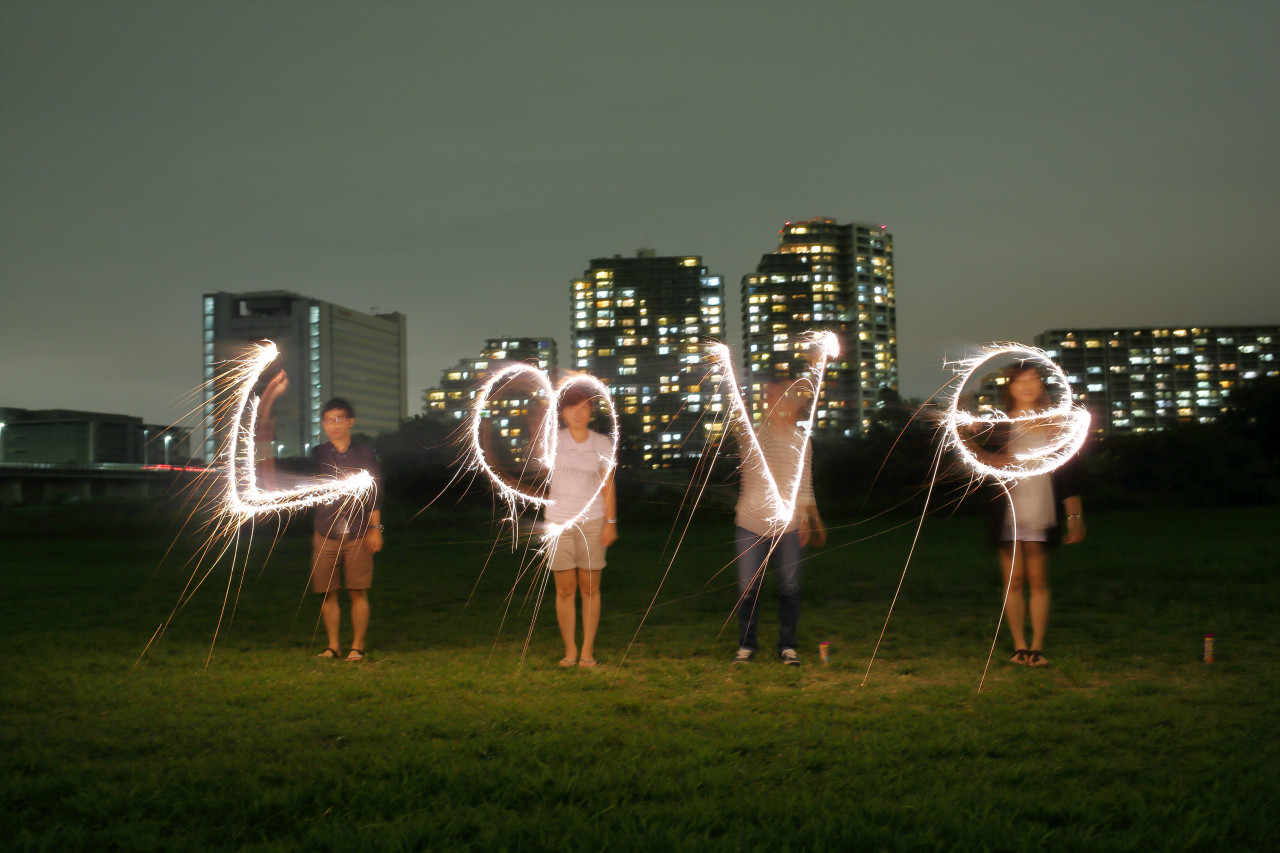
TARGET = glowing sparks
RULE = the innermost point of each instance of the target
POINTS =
(543, 446)
(1065, 426)
(245, 498)
(782, 497)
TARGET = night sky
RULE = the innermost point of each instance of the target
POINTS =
(1040, 165)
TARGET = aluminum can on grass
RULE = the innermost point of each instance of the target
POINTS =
(824, 652)
(1208, 648)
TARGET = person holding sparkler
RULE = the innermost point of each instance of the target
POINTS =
(1027, 526)
(581, 491)
(762, 536)
(346, 534)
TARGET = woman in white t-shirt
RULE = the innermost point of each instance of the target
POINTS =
(1028, 524)
(581, 491)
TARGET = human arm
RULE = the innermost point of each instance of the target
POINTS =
(265, 430)
(1075, 520)
(811, 527)
(609, 534)
(373, 537)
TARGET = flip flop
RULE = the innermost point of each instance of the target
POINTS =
(1037, 658)
(355, 655)
(1020, 657)
(587, 663)
(567, 662)
(328, 654)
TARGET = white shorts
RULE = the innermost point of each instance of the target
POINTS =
(579, 547)
(1009, 533)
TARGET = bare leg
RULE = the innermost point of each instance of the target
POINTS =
(1015, 607)
(589, 583)
(359, 616)
(566, 593)
(1037, 571)
(331, 613)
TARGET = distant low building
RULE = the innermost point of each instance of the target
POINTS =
(1134, 380)
(70, 437)
(327, 350)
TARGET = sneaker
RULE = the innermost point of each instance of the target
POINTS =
(744, 655)
(789, 657)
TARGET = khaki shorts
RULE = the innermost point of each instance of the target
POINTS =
(579, 547)
(345, 555)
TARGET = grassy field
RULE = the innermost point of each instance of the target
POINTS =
(445, 740)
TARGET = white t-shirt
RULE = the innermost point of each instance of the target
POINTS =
(580, 469)
(1032, 497)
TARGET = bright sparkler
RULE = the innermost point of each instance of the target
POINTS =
(1067, 425)
(827, 347)
(543, 446)
(245, 498)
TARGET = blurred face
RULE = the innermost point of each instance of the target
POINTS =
(1026, 389)
(577, 416)
(783, 402)
(337, 425)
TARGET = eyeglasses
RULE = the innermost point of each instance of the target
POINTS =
(336, 421)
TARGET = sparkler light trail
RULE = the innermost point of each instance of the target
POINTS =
(782, 497)
(1068, 424)
(245, 499)
(543, 445)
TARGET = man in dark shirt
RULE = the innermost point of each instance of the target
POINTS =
(347, 533)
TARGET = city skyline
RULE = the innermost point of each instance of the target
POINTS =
(1041, 166)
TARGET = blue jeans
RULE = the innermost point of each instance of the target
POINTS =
(754, 552)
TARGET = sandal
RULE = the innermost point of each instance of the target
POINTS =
(328, 654)
(355, 655)
(567, 662)
(1019, 657)
(1037, 658)
(587, 662)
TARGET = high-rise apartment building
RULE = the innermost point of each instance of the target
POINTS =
(825, 275)
(327, 350)
(643, 325)
(1133, 380)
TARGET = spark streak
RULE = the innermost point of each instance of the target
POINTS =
(245, 499)
(544, 442)
(827, 346)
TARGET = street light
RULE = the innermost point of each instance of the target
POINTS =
(1, 441)
(167, 438)
(146, 439)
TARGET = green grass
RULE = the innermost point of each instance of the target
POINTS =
(444, 740)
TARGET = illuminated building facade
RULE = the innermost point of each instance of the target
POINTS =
(643, 325)
(508, 411)
(327, 350)
(825, 275)
(1134, 380)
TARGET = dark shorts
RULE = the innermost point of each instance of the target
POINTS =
(340, 562)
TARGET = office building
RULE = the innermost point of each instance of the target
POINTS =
(825, 276)
(327, 350)
(643, 325)
(1133, 380)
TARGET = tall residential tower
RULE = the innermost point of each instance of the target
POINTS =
(642, 325)
(825, 275)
